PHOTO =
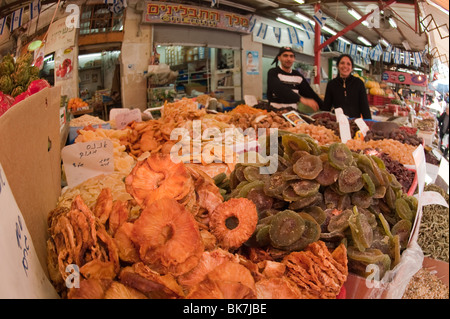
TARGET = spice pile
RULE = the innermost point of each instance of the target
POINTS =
(426, 285)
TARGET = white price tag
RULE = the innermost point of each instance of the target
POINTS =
(86, 160)
(362, 126)
(344, 126)
(21, 274)
(125, 118)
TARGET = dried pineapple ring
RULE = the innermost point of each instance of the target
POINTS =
(242, 209)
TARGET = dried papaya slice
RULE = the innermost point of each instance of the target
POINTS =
(305, 188)
(350, 180)
(311, 234)
(328, 175)
(308, 166)
(260, 199)
(361, 199)
(403, 210)
(340, 156)
(275, 185)
(292, 143)
(317, 213)
(369, 184)
(362, 232)
(286, 228)
(403, 230)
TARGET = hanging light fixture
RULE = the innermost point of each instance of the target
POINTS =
(364, 40)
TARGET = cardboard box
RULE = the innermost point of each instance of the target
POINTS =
(194, 86)
(30, 154)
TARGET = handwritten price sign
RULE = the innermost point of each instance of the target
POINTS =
(21, 274)
(86, 160)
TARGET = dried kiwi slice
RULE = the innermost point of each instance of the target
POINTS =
(290, 195)
(395, 250)
(311, 234)
(296, 155)
(369, 184)
(292, 143)
(317, 213)
(403, 210)
(248, 187)
(308, 166)
(251, 173)
(340, 156)
(362, 232)
(260, 199)
(361, 199)
(275, 185)
(340, 222)
(286, 228)
(385, 224)
(306, 201)
(350, 180)
(305, 188)
(289, 175)
(403, 230)
(328, 175)
(358, 261)
(262, 236)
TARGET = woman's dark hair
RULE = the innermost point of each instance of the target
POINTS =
(344, 55)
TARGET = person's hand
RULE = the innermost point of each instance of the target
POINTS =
(310, 102)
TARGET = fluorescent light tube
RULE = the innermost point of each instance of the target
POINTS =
(292, 24)
(357, 16)
(392, 23)
(269, 3)
(345, 40)
(384, 42)
(300, 1)
(327, 29)
(364, 40)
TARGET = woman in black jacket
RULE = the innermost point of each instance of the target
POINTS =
(347, 92)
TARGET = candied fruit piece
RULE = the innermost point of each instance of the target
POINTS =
(286, 228)
(340, 156)
(308, 166)
(350, 180)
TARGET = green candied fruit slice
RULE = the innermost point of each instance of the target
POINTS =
(306, 201)
(305, 188)
(317, 213)
(395, 250)
(248, 187)
(292, 143)
(290, 195)
(308, 166)
(369, 184)
(340, 156)
(260, 199)
(328, 175)
(403, 210)
(311, 234)
(289, 175)
(275, 185)
(385, 224)
(219, 178)
(359, 260)
(350, 180)
(379, 162)
(296, 155)
(361, 199)
(262, 236)
(380, 192)
(403, 230)
(413, 202)
(362, 232)
(286, 228)
(340, 222)
(251, 174)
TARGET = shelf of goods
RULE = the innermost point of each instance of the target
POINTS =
(224, 221)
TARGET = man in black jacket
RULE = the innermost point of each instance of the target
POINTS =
(443, 121)
(287, 87)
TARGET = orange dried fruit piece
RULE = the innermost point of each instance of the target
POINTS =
(277, 288)
(168, 237)
(308, 166)
(286, 227)
(240, 211)
(350, 180)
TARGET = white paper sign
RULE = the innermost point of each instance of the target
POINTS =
(86, 160)
(344, 125)
(362, 126)
(21, 274)
(125, 118)
(421, 167)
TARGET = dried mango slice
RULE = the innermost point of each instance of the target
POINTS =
(340, 156)
(286, 228)
(403, 230)
(308, 166)
(362, 232)
(350, 180)
(328, 175)
(305, 188)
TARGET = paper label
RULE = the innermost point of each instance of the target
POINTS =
(125, 118)
(86, 160)
(21, 274)
(362, 126)
(293, 118)
(432, 198)
(421, 167)
(344, 125)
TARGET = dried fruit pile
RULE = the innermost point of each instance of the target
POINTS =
(185, 242)
(328, 193)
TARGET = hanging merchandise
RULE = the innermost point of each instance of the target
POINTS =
(16, 19)
(64, 64)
